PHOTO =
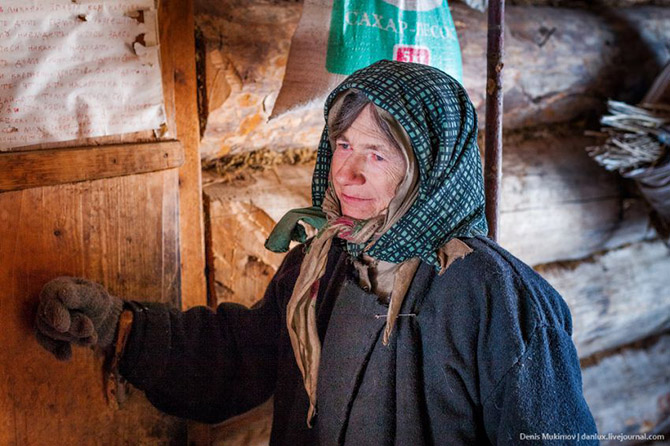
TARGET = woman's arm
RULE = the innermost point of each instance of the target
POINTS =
(206, 365)
(201, 364)
(528, 370)
(539, 400)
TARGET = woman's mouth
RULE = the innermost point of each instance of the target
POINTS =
(351, 199)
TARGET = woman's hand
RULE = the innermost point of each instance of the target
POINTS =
(75, 310)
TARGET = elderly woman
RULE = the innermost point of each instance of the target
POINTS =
(399, 323)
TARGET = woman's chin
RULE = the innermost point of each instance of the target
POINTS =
(357, 214)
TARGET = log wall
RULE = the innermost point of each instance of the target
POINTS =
(555, 70)
(584, 229)
(629, 392)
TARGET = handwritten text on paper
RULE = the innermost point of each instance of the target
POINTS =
(72, 69)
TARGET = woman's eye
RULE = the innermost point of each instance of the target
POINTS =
(378, 157)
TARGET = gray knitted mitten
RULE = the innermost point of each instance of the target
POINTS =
(75, 310)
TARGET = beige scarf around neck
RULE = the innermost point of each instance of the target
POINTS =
(300, 311)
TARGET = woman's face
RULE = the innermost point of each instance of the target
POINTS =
(366, 169)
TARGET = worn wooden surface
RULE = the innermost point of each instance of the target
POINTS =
(87, 229)
(241, 215)
(21, 170)
(246, 45)
(615, 298)
(554, 193)
(554, 71)
(629, 392)
(537, 88)
(241, 270)
(178, 61)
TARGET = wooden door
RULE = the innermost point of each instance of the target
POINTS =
(126, 214)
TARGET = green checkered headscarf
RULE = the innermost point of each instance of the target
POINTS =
(441, 122)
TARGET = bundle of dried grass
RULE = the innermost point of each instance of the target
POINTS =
(635, 137)
(636, 145)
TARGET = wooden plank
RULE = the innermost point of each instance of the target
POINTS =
(23, 170)
(121, 232)
(178, 60)
(629, 393)
(550, 165)
(617, 297)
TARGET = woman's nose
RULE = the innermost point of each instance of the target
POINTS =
(352, 171)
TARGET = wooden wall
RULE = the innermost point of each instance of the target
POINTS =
(86, 229)
(585, 230)
(124, 211)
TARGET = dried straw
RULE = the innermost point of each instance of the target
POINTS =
(230, 166)
(634, 136)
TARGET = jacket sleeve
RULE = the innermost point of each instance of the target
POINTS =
(539, 399)
(201, 364)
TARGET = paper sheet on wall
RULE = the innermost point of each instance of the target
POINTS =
(71, 69)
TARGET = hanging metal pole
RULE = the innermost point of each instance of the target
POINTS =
(494, 113)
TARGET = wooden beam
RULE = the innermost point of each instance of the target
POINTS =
(494, 113)
(558, 204)
(23, 170)
(628, 393)
(615, 298)
(177, 34)
(572, 231)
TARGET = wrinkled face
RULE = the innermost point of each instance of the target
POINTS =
(366, 169)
